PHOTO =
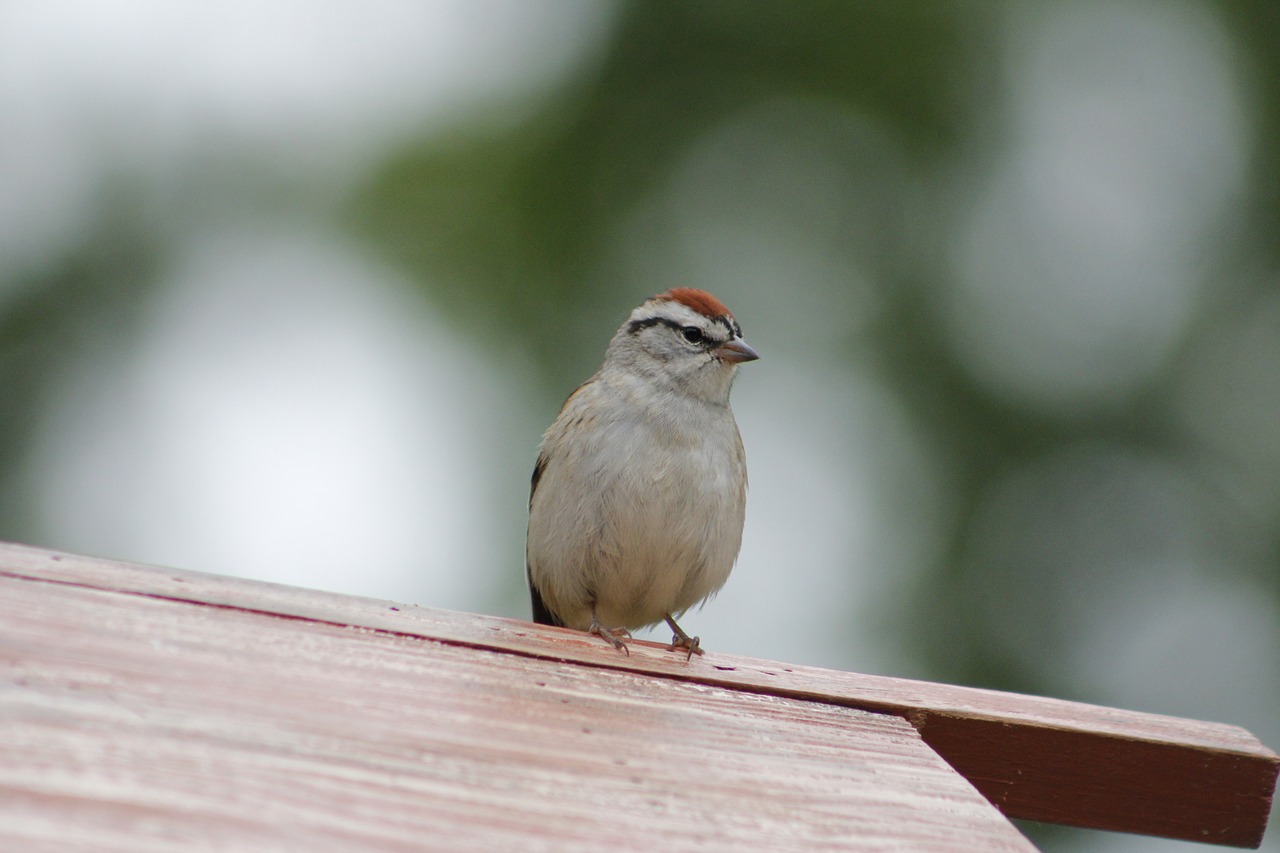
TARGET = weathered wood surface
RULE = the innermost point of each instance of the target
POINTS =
(132, 722)
(1034, 757)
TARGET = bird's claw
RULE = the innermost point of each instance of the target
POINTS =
(612, 636)
(684, 641)
(681, 640)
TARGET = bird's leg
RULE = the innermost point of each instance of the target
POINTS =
(682, 640)
(612, 636)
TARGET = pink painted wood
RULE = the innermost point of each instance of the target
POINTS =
(131, 721)
(180, 705)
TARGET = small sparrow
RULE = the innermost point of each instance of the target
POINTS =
(636, 509)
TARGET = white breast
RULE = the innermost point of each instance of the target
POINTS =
(641, 513)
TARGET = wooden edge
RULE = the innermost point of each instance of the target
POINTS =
(1033, 757)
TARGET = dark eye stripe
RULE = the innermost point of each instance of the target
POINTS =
(707, 341)
(636, 325)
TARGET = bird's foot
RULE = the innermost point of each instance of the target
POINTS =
(693, 644)
(681, 640)
(612, 636)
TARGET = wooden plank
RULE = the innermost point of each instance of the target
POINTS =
(134, 723)
(1036, 758)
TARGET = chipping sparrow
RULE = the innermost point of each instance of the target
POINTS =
(636, 509)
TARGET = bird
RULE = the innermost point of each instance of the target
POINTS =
(638, 495)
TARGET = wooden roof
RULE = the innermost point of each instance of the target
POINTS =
(145, 708)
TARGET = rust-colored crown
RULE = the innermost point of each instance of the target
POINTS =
(699, 300)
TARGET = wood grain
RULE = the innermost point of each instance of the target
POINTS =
(136, 723)
(1034, 757)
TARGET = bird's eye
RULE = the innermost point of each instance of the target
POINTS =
(692, 334)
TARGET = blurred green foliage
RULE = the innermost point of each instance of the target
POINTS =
(513, 215)
(516, 212)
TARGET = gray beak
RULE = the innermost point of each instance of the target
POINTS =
(735, 351)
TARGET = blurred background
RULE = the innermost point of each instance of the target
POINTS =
(291, 290)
